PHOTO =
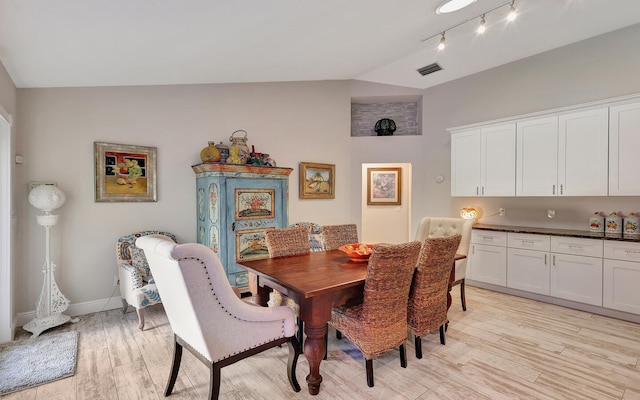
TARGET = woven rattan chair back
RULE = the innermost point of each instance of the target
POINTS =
(427, 310)
(287, 242)
(335, 236)
(379, 322)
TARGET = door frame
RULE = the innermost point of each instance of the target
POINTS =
(6, 231)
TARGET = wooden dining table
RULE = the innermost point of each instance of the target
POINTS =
(317, 281)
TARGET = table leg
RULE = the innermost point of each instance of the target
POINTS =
(314, 350)
(260, 294)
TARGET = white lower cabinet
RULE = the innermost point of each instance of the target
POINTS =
(488, 260)
(577, 278)
(563, 267)
(576, 269)
(528, 261)
(621, 276)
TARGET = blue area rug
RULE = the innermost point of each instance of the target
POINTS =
(30, 363)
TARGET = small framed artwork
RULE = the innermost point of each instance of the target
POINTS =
(251, 244)
(255, 203)
(317, 181)
(384, 186)
(124, 172)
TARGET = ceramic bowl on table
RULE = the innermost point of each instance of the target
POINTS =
(359, 252)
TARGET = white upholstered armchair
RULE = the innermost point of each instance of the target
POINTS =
(137, 287)
(430, 227)
(206, 315)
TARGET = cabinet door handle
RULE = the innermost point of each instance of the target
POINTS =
(473, 250)
(561, 188)
(545, 259)
(554, 260)
(233, 227)
(553, 189)
(477, 192)
(483, 190)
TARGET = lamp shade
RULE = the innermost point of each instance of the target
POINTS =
(46, 197)
(469, 213)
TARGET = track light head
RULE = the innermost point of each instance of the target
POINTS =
(442, 43)
(483, 25)
(512, 12)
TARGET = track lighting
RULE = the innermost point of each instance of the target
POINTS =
(481, 28)
(442, 43)
(483, 25)
(512, 12)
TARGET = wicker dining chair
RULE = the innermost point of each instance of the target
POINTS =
(439, 227)
(288, 242)
(378, 322)
(427, 309)
(335, 236)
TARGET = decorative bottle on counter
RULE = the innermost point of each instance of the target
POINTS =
(631, 229)
(596, 223)
(613, 225)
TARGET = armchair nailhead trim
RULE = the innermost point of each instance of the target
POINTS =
(218, 300)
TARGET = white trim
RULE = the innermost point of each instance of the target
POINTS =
(605, 102)
(85, 308)
(7, 325)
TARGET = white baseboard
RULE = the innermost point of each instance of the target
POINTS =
(73, 310)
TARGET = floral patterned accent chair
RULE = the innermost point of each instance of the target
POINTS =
(315, 234)
(209, 320)
(335, 236)
(428, 296)
(439, 227)
(137, 286)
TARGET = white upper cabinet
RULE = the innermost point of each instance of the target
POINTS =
(537, 157)
(465, 163)
(588, 150)
(498, 157)
(624, 149)
(582, 153)
(483, 161)
(563, 155)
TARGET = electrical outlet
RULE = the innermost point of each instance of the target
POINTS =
(551, 213)
(502, 211)
(116, 281)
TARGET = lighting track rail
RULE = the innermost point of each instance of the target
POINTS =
(481, 15)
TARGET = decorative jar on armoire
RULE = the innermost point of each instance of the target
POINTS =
(236, 206)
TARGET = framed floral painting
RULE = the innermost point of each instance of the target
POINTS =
(317, 181)
(255, 203)
(384, 186)
(124, 172)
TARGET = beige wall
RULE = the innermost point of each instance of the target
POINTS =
(293, 122)
(599, 68)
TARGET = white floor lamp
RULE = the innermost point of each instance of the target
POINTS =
(52, 303)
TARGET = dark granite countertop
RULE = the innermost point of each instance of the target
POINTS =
(554, 232)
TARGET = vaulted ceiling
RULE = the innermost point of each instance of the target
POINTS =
(71, 43)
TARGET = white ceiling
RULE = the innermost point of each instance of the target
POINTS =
(70, 43)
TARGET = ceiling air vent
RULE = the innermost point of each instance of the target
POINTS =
(429, 69)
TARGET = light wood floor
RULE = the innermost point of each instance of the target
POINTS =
(502, 347)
